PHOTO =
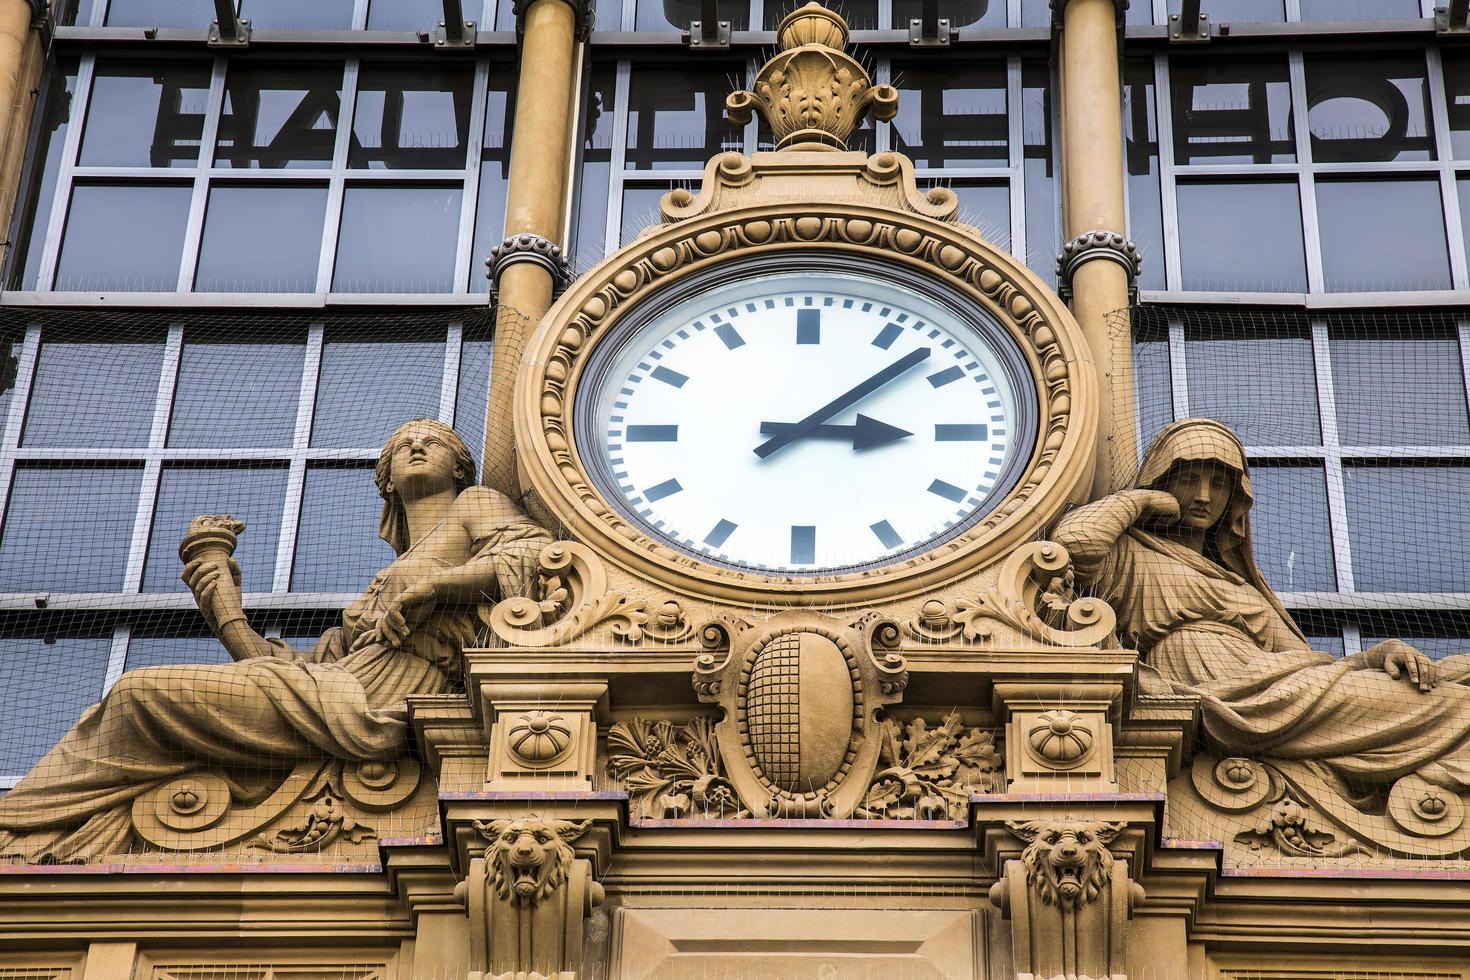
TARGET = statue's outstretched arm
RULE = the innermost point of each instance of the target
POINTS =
(215, 582)
(1090, 532)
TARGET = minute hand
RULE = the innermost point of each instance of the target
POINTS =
(843, 401)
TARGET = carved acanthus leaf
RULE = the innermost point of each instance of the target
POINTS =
(573, 598)
(671, 770)
(930, 773)
(1292, 829)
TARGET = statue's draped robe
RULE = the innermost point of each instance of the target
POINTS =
(251, 720)
(1264, 693)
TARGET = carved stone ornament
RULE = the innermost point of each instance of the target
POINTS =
(799, 737)
(571, 598)
(930, 773)
(529, 859)
(1098, 244)
(813, 94)
(1035, 595)
(528, 247)
(539, 737)
(1042, 329)
(672, 771)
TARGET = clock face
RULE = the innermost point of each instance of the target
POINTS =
(807, 422)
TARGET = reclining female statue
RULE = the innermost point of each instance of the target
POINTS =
(1173, 557)
(458, 544)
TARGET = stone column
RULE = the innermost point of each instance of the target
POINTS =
(21, 60)
(528, 267)
(1097, 269)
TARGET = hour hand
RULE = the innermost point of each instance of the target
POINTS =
(866, 433)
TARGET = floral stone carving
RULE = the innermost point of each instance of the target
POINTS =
(539, 737)
(931, 772)
(1291, 828)
(672, 770)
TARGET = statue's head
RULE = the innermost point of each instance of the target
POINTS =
(417, 442)
(1202, 463)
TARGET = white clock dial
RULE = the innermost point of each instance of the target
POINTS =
(807, 422)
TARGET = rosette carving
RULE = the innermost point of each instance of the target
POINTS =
(1060, 738)
(538, 736)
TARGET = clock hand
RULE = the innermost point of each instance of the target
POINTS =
(843, 401)
(865, 434)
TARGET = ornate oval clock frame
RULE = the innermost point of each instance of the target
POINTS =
(1054, 349)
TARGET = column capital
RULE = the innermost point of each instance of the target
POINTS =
(1097, 244)
(533, 248)
(584, 9)
(1059, 11)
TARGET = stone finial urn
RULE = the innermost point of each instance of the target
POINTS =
(813, 93)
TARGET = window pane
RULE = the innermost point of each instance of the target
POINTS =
(279, 116)
(1152, 384)
(261, 238)
(160, 13)
(398, 240)
(474, 388)
(1399, 384)
(319, 15)
(99, 395)
(155, 646)
(236, 395)
(494, 177)
(411, 118)
(145, 115)
(1457, 98)
(675, 15)
(1357, 217)
(252, 494)
(61, 86)
(1043, 212)
(406, 15)
(988, 208)
(951, 113)
(1289, 528)
(1220, 246)
(1360, 9)
(12, 339)
(34, 716)
(590, 236)
(1238, 11)
(1409, 528)
(1436, 636)
(640, 209)
(126, 237)
(45, 548)
(676, 115)
(1368, 109)
(1257, 378)
(367, 389)
(961, 13)
(1236, 111)
(1141, 159)
(338, 548)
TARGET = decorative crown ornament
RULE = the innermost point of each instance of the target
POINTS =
(813, 94)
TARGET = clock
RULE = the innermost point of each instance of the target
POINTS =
(811, 416)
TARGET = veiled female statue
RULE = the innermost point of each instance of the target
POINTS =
(458, 545)
(1173, 557)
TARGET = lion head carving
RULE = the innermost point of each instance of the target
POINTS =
(529, 858)
(1067, 862)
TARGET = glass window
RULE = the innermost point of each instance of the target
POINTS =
(124, 237)
(162, 646)
(262, 238)
(145, 115)
(1235, 111)
(253, 494)
(1152, 384)
(1368, 109)
(640, 209)
(33, 716)
(11, 342)
(1357, 217)
(44, 547)
(407, 15)
(960, 13)
(988, 208)
(1141, 161)
(278, 116)
(675, 15)
(99, 395)
(236, 395)
(338, 548)
(1256, 377)
(1435, 637)
(160, 13)
(474, 389)
(60, 89)
(494, 176)
(1457, 98)
(676, 115)
(1289, 527)
(1409, 527)
(590, 237)
(1220, 246)
(1399, 384)
(951, 113)
(411, 118)
(1360, 9)
(1043, 212)
(319, 15)
(367, 389)
(1238, 11)
(399, 239)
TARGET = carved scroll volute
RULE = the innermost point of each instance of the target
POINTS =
(1035, 595)
(571, 597)
(799, 696)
